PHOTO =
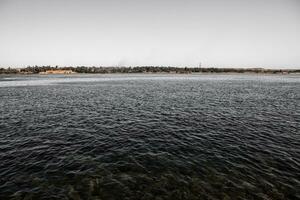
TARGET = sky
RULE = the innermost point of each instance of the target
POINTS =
(217, 33)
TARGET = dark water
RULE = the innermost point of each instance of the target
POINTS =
(150, 137)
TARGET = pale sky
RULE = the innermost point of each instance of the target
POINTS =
(218, 33)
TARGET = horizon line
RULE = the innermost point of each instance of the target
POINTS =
(132, 66)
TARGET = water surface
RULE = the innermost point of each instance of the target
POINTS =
(150, 137)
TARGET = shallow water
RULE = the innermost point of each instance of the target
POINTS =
(150, 136)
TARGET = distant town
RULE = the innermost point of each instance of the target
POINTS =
(138, 69)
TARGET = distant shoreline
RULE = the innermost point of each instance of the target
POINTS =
(47, 70)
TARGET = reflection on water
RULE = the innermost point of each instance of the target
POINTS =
(149, 137)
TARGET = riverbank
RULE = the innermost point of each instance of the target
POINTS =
(141, 69)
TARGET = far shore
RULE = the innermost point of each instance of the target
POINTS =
(48, 70)
(153, 73)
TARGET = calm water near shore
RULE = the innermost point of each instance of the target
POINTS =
(150, 137)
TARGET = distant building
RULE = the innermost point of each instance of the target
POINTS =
(58, 71)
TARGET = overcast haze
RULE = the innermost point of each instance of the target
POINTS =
(233, 33)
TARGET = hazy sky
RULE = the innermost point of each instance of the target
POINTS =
(237, 33)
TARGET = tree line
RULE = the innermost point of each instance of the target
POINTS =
(142, 69)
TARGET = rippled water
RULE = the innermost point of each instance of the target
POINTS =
(150, 137)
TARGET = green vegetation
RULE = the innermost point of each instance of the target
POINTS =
(144, 69)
